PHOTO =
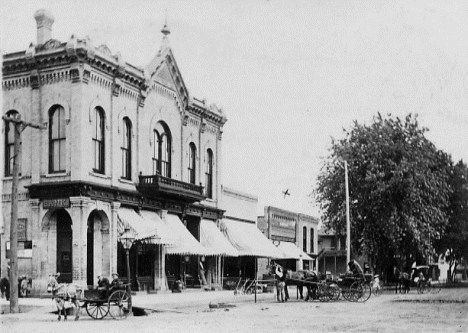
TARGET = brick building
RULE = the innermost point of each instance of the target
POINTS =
(293, 233)
(122, 144)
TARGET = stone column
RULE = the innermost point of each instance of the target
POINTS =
(113, 239)
(79, 215)
(37, 251)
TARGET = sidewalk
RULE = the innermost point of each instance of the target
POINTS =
(160, 301)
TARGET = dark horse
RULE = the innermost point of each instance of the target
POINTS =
(299, 279)
(402, 279)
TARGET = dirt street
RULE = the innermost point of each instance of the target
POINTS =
(444, 312)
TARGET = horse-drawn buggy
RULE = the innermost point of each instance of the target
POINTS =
(355, 286)
(116, 303)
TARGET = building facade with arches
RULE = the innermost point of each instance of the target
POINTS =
(116, 140)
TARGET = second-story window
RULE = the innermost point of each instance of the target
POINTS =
(9, 144)
(162, 150)
(192, 163)
(98, 141)
(311, 240)
(57, 139)
(209, 174)
(304, 239)
(126, 149)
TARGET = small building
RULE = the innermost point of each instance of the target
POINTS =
(331, 253)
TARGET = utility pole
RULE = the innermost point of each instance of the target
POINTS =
(18, 126)
(348, 222)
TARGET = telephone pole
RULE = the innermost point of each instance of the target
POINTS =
(18, 126)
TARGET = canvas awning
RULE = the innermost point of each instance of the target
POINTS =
(291, 251)
(248, 240)
(185, 243)
(142, 229)
(213, 240)
(166, 235)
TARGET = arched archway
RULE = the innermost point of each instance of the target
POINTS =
(98, 246)
(64, 245)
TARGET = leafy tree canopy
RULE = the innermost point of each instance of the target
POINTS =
(398, 184)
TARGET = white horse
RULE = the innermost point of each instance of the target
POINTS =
(67, 293)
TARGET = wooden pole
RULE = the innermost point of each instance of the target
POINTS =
(19, 127)
(348, 223)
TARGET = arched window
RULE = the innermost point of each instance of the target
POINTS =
(98, 141)
(126, 149)
(209, 174)
(57, 139)
(192, 162)
(162, 150)
(9, 143)
(304, 239)
(311, 240)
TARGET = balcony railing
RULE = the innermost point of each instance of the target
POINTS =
(332, 251)
(157, 186)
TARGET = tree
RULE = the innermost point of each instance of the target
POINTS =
(399, 189)
(453, 244)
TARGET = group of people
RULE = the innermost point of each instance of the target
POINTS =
(23, 286)
(105, 287)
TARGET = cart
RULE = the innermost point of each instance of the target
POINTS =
(117, 304)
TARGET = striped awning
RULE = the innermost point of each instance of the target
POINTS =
(140, 228)
(248, 240)
(291, 251)
(166, 235)
(213, 240)
(185, 243)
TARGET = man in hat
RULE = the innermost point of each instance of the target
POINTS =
(103, 286)
(115, 284)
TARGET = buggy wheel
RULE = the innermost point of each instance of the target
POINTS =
(360, 291)
(119, 302)
(97, 310)
(347, 294)
(435, 288)
(335, 292)
(323, 293)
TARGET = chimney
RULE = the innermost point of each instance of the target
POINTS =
(44, 20)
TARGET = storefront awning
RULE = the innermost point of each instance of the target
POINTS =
(248, 240)
(291, 251)
(166, 235)
(213, 240)
(185, 243)
(142, 229)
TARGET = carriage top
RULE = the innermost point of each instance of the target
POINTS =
(356, 268)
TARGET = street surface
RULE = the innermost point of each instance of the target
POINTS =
(190, 312)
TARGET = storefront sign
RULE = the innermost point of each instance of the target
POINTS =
(56, 203)
(22, 228)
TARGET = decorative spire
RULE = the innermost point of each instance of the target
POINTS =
(165, 30)
(165, 41)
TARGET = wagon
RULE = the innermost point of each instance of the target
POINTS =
(117, 304)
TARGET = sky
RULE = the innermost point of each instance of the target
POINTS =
(289, 75)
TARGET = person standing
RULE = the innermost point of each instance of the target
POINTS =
(280, 284)
(5, 287)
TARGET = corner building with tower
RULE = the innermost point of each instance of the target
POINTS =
(122, 148)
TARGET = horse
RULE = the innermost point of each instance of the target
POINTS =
(299, 279)
(67, 292)
(403, 279)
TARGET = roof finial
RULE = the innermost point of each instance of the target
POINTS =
(165, 30)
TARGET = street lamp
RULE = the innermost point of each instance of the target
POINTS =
(127, 240)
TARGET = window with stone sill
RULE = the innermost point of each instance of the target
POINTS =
(9, 143)
(57, 139)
